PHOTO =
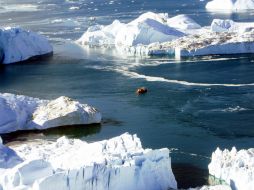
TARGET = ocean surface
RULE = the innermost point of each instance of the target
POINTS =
(193, 105)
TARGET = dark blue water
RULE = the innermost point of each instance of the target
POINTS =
(186, 116)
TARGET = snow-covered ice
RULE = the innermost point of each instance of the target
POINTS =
(18, 45)
(70, 164)
(19, 112)
(236, 168)
(230, 5)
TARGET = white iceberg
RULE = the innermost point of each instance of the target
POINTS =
(70, 164)
(19, 45)
(219, 25)
(230, 5)
(146, 29)
(25, 113)
(236, 168)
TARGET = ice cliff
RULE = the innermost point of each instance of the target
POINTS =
(19, 45)
(70, 164)
(19, 112)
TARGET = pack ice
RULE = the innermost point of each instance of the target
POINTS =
(19, 112)
(70, 164)
(18, 45)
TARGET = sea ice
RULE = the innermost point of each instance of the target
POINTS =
(25, 113)
(19, 45)
(236, 168)
(70, 164)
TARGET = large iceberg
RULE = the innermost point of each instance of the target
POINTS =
(230, 5)
(146, 29)
(236, 168)
(19, 112)
(70, 164)
(19, 45)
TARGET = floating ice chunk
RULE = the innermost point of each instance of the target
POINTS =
(236, 168)
(183, 22)
(230, 5)
(63, 111)
(20, 45)
(219, 25)
(69, 164)
(26, 113)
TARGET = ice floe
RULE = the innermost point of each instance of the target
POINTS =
(19, 112)
(70, 164)
(230, 5)
(18, 45)
(236, 168)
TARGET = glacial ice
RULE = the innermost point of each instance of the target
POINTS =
(19, 112)
(236, 168)
(70, 164)
(19, 45)
(230, 5)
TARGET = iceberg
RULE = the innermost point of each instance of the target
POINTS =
(18, 45)
(71, 164)
(236, 168)
(19, 112)
(230, 5)
(147, 28)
